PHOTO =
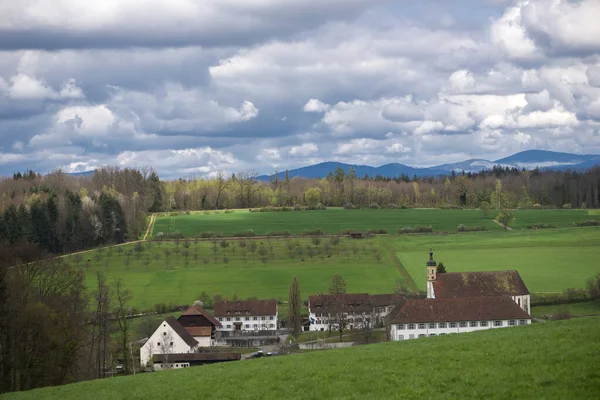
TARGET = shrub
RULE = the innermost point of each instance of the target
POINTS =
(319, 206)
(416, 229)
(349, 206)
(246, 233)
(567, 205)
(228, 211)
(378, 231)
(173, 214)
(286, 233)
(562, 313)
(541, 226)
(463, 228)
(172, 235)
(206, 212)
(374, 206)
(316, 232)
(208, 235)
(537, 206)
(589, 222)
(568, 296)
(391, 206)
(187, 213)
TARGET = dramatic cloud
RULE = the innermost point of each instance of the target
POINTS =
(195, 87)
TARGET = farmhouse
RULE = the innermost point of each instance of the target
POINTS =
(462, 302)
(327, 311)
(170, 338)
(452, 285)
(200, 324)
(249, 315)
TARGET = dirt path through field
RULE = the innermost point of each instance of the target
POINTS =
(502, 225)
(407, 278)
(150, 226)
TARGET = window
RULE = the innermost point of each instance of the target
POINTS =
(432, 325)
(473, 324)
(255, 318)
(271, 318)
(270, 325)
(228, 318)
(237, 318)
(463, 324)
(421, 326)
(247, 318)
(171, 344)
(228, 326)
(432, 334)
(452, 324)
(401, 327)
(442, 334)
(519, 301)
(255, 326)
(411, 326)
(220, 319)
(421, 335)
(164, 333)
(511, 322)
(497, 323)
(483, 323)
(262, 318)
(158, 344)
(522, 322)
(247, 326)
(442, 324)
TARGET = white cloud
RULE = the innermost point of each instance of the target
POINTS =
(509, 34)
(269, 155)
(316, 105)
(26, 87)
(303, 150)
(462, 80)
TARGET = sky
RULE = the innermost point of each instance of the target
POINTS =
(194, 87)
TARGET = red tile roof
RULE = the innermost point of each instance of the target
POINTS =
(248, 307)
(458, 309)
(477, 284)
(197, 310)
(180, 330)
(357, 302)
(197, 331)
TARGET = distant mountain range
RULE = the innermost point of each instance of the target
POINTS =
(529, 159)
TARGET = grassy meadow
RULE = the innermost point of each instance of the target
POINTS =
(335, 220)
(548, 260)
(554, 360)
(157, 272)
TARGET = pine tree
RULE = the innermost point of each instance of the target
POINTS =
(41, 227)
(11, 224)
(25, 222)
(155, 185)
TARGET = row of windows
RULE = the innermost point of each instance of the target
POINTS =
(246, 318)
(463, 324)
(255, 326)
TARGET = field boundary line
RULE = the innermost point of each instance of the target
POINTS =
(409, 280)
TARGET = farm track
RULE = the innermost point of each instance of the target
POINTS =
(150, 226)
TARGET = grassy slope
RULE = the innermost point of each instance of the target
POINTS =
(181, 284)
(335, 220)
(551, 360)
(548, 260)
(582, 308)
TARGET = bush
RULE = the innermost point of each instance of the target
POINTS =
(208, 235)
(228, 211)
(316, 232)
(378, 231)
(541, 226)
(568, 296)
(589, 222)
(562, 313)
(173, 214)
(567, 205)
(391, 206)
(374, 206)
(285, 233)
(416, 229)
(349, 206)
(537, 206)
(172, 235)
(319, 206)
(246, 233)
(463, 228)
(206, 212)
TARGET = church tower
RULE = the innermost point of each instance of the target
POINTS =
(431, 275)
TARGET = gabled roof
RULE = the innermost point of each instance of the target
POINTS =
(197, 331)
(180, 330)
(457, 309)
(357, 302)
(197, 310)
(248, 307)
(477, 284)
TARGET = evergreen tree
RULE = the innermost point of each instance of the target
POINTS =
(11, 224)
(41, 227)
(294, 308)
(25, 221)
(157, 203)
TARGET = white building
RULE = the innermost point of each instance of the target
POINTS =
(451, 285)
(249, 315)
(169, 339)
(327, 311)
(200, 324)
(434, 317)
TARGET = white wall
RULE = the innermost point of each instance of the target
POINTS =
(524, 302)
(354, 320)
(262, 322)
(203, 341)
(175, 365)
(154, 345)
(402, 331)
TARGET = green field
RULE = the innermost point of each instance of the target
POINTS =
(548, 260)
(554, 360)
(581, 308)
(154, 280)
(335, 220)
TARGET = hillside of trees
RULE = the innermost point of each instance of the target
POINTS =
(63, 213)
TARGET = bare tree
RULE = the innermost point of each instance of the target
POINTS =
(222, 184)
(337, 284)
(122, 300)
(294, 308)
